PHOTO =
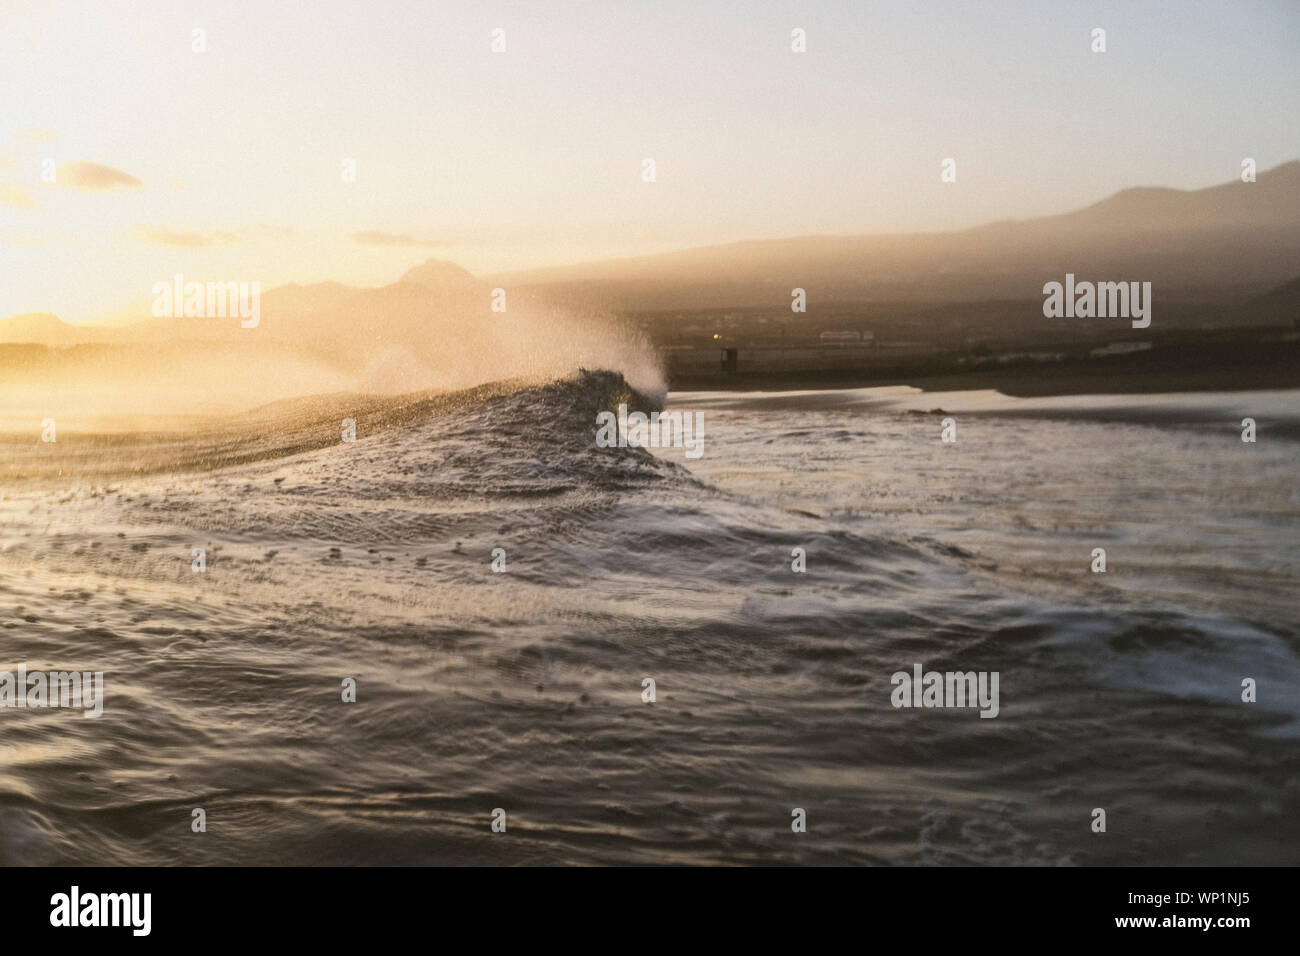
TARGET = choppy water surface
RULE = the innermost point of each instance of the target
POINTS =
(522, 690)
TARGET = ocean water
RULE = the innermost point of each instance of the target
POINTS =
(522, 689)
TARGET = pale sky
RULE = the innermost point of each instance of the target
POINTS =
(229, 162)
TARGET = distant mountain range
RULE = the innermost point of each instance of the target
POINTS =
(1216, 245)
(1225, 245)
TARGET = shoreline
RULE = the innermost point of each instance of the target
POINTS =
(1221, 368)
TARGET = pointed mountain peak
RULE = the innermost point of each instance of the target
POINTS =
(438, 273)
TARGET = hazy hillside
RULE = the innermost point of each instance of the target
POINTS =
(1214, 244)
(42, 328)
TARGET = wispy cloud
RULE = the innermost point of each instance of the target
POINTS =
(374, 238)
(15, 196)
(92, 177)
(198, 239)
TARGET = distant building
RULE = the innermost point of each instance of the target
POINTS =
(1120, 348)
(846, 337)
(1009, 358)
